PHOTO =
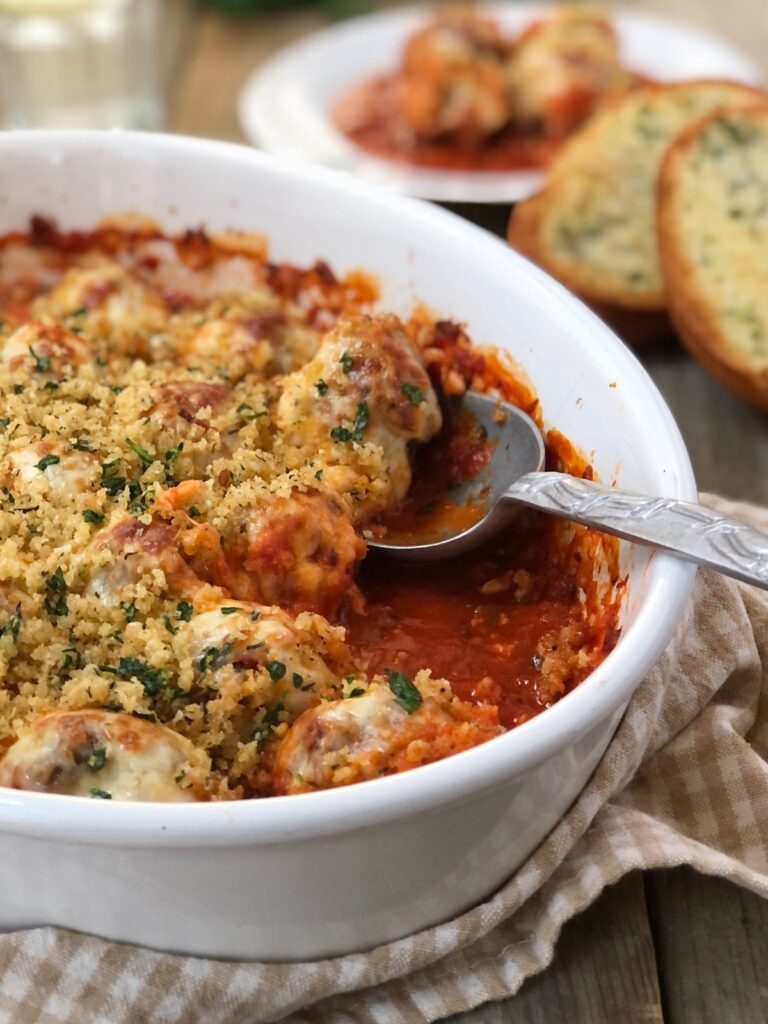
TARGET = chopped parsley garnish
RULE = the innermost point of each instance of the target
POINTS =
(184, 611)
(319, 475)
(46, 461)
(271, 718)
(4, 421)
(117, 388)
(213, 656)
(42, 363)
(99, 794)
(229, 611)
(169, 625)
(93, 517)
(51, 385)
(111, 480)
(96, 759)
(81, 445)
(248, 412)
(403, 690)
(152, 679)
(276, 670)
(18, 389)
(416, 395)
(358, 427)
(140, 497)
(322, 387)
(72, 659)
(298, 680)
(346, 362)
(142, 453)
(12, 625)
(129, 609)
(80, 311)
(193, 511)
(56, 602)
(172, 453)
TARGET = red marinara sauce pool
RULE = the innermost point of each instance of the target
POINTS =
(512, 149)
(517, 623)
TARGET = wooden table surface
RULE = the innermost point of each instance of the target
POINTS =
(667, 946)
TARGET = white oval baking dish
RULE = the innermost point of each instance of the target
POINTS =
(315, 875)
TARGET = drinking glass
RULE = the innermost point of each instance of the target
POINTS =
(79, 64)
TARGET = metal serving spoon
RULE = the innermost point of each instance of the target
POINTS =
(514, 477)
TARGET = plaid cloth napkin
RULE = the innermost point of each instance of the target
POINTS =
(684, 781)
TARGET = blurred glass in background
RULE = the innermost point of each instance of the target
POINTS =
(79, 64)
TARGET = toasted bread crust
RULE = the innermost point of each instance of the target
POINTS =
(596, 181)
(634, 326)
(691, 300)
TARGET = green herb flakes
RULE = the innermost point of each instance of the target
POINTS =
(358, 427)
(276, 670)
(46, 461)
(404, 692)
(142, 453)
(415, 394)
(184, 611)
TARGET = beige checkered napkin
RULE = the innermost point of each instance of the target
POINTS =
(684, 781)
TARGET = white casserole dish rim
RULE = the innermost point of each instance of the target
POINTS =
(276, 819)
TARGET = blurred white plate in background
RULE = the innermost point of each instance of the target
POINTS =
(284, 105)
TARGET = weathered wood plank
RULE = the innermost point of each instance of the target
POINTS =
(224, 52)
(727, 440)
(712, 947)
(177, 27)
(604, 971)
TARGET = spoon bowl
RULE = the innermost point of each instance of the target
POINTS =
(515, 476)
(518, 449)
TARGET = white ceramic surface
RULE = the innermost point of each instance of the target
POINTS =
(284, 105)
(313, 875)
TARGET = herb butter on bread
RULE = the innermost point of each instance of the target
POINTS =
(593, 224)
(712, 220)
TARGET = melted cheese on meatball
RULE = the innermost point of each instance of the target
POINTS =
(100, 754)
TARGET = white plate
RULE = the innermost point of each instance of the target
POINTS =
(284, 104)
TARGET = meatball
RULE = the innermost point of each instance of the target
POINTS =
(453, 82)
(304, 656)
(241, 347)
(367, 383)
(107, 300)
(344, 731)
(188, 410)
(45, 351)
(562, 67)
(129, 549)
(340, 742)
(103, 754)
(298, 552)
(54, 470)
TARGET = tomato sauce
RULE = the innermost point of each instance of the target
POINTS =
(517, 623)
(514, 148)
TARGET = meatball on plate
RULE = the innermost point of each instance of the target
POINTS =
(465, 102)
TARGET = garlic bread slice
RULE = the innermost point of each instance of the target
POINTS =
(712, 216)
(593, 224)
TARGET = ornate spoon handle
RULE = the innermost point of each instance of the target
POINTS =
(689, 531)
